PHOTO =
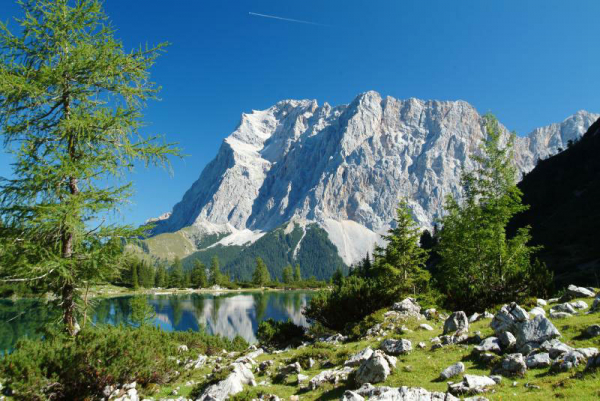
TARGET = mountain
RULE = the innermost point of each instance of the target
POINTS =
(341, 169)
(564, 197)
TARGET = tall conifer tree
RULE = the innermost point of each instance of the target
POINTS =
(70, 109)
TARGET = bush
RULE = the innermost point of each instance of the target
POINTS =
(66, 368)
(348, 303)
(280, 334)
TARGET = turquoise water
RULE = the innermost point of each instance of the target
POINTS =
(227, 314)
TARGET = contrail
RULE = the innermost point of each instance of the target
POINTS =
(285, 19)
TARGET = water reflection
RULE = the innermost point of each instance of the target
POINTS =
(226, 314)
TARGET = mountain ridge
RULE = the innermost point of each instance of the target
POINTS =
(346, 167)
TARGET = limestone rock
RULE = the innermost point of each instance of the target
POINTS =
(471, 384)
(457, 321)
(579, 292)
(452, 370)
(396, 347)
(512, 364)
(333, 376)
(376, 369)
(490, 344)
(538, 329)
(233, 384)
(593, 330)
(536, 361)
(508, 317)
(360, 357)
(507, 340)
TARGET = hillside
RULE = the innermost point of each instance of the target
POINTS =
(564, 194)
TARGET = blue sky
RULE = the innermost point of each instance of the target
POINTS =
(529, 62)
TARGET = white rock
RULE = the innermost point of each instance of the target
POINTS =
(536, 361)
(374, 370)
(359, 357)
(426, 327)
(452, 370)
(579, 292)
(537, 311)
(456, 322)
(396, 347)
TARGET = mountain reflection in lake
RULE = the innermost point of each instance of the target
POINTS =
(228, 314)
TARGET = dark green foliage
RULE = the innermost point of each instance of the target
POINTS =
(288, 275)
(261, 276)
(280, 334)
(142, 312)
(161, 279)
(564, 194)
(134, 277)
(317, 256)
(198, 277)
(398, 270)
(480, 265)
(297, 273)
(176, 277)
(64, 368)
(71, 101)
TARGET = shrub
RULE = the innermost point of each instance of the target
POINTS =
(65, 368)
(280, 334)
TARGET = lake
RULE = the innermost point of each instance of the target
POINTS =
(228, 314)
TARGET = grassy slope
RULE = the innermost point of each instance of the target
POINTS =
(421, 368)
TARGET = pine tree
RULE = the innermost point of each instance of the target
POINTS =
(161, 276)
(288, 274)
(176, 278)
(215, 272)
(199, 275)
(70, 109)
(297, 274)
(134, 276)
(400, 266)
(261, 274)
(480, 266)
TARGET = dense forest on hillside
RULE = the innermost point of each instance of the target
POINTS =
(564, 197)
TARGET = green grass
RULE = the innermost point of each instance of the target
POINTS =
(422, 367)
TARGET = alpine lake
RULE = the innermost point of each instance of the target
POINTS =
(228, 314)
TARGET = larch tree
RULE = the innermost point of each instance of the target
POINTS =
(261, 275)
(71, 101)
(481, 265)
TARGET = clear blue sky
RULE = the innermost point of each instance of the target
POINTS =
(530, 62)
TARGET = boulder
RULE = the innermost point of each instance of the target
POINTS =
(196, 363)
(490, 344)
(511, 365)
(360, 357)
(302, 378)
(593, 362)
(376, 369)
(233, 384)
(596, 305)
(452, 370)
(568, 361)
(402, 394)
(565, 307)
(507, 340)
(182, 348)
(508, 317)
(537, 330)
(457, 321)
(559, 315)
(287, 370)
(396, 347)
(579, 305)
(541, 302)
(537, 311)
(426, 327)
(579, 292)
(471, 384)
(536, 361)
(352, 396)
(333, 376)
(593, 330)
(559, 349)
(430, 313)
(408, 308)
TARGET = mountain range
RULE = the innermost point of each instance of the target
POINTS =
(299, 175)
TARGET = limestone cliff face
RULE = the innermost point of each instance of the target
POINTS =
(346, 167)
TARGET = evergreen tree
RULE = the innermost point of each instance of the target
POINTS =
(176, 278)
(480, 266)
(337, 278)
(400, 266)
(199, 275)
(187, 279)
(134, 276)
(161, 276)
(261, 275)
(288, 274)
(215, 271)
(297, 274)
(70, 108)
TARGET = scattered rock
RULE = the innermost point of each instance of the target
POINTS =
(568, 361)
(471, 384)
(559, 315)
(402, 394)
(593, 330)
(233, 384)
(490, 344)
(334, 339)
(422, 345)
(196, 363)
(596, 305)
(430, 314)
(579, 292)
(376, 369)
(512, 364)
(538, 330)
(302, 379)
(593, 362)
(396, 347)
(182, 348)
(508, 317)
(507, 340)
(452, 370)
(265, 365)
(536, 361)
(352, 396)
(408, 308)
(541, 302)
(360, 357)
(456, 322)
(284, 371)
(559, 349)
(566, 307)
(425, 326)
(333, 376)
(579, 305)
(537, 311)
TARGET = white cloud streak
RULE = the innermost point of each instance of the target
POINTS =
(285, 19)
